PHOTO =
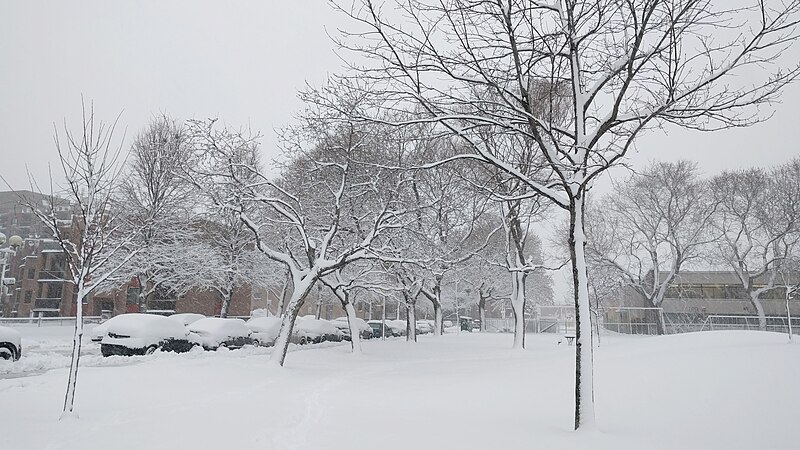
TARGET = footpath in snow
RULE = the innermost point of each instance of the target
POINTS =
(713, 390)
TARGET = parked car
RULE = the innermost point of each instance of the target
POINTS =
(10, 344)
(265, 329)
(398, 327)
(378, 329)
(215, 332)
(187, 318)
(424, 326)
(311, 330)
(364, 330)
(142, 334)
(99, 331)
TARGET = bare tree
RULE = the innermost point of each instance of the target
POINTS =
(629, 67)
(446, 233)
(757, 218)
(651, 226)
(94, 236)
(326, 210)
(232, 261)
(159, 205)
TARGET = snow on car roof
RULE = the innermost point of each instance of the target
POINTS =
(360, 323)
(187, 318)
(140, 325)
(316, 326)
(233, 327)
(264, 324)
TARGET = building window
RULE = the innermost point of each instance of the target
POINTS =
(28, 295)
(132, 297)
(32, 273)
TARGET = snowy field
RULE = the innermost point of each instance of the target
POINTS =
(713, 390)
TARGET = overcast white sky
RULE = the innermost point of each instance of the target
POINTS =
(240, 61)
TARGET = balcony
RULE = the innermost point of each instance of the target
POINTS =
(47, 303)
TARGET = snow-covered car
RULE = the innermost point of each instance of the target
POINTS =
(142, 334)
(215, 332)
(364, 330)
(310, 330)
(424, 326)
(186, 318)
(398, 327)
(10, 344)
(99, 331)
(265, 329)
(378, 329)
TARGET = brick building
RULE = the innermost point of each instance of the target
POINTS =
(42, 288)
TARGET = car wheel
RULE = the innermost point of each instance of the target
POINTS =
(256, 342)
(150, 350)
(303, 340)
(6, 353)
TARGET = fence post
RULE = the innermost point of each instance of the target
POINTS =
(39, 324)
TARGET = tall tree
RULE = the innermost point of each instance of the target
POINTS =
(95, 237)
(650, 227)
(757, 219)
(158, 206)
(629, 67)
(328, 207)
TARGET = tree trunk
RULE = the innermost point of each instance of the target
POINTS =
(301, 289)
(438, 316)
(762, 315)
(284, 294)
(411, 324)
(355, 333)
(226, 303)
(584, 364)
(518, 307)
(659, 322)
(411, 317)
(227, 294)
(436, 299)
(318, 310)
(69, 398)
(482, 312)
(438, 319)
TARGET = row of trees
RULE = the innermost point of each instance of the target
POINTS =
(533, 100)
(571, 82)
(667, 218)
(192, 208)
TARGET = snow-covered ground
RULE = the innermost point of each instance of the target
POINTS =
(713, 390)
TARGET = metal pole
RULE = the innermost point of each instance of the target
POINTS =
(458, 316)
(789, 313)
(383, 320)
(2, 284)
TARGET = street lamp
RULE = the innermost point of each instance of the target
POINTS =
(13, 242)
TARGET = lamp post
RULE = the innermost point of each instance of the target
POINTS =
(13, 242)
(790, 294)
(458, 316)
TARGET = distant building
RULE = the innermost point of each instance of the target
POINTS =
(17, 216)
(695, 295)
(43, 289)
